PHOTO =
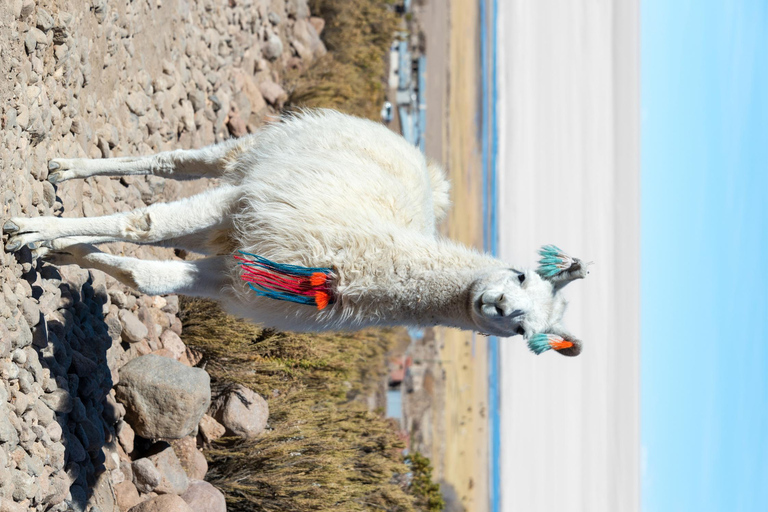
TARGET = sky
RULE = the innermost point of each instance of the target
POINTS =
(704, 404)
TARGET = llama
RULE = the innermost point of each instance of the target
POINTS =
(324, 221)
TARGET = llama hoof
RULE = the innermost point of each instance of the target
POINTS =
(54, 177)
(10, 227)
(53, 165)
(14, 244)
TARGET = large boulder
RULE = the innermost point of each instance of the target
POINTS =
(243, 412)
(162, 397)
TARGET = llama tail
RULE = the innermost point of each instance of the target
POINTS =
(539, 343)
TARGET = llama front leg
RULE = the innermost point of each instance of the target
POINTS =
(199, 278)
(208, 162)
(182, 219)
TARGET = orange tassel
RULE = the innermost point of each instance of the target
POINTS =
(318, 278)
(560, 345)
(321, 298)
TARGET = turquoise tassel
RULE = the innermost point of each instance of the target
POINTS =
(539, 343)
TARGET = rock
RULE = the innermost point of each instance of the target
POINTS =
(44, 20)
(27, 7)
(210, 429)
(59, 401)
(272, 92)
(192, 459)
(162, 397)
(146, 477)
(8, 434)
(273, 48)
(138, 103)
(204, 497)
(126, 495)
(134, 329)
(318, 23)
(243, 413)
(297, 9)
(163, 503)
(173, 478)
(172, 342)
(236, 126)
(125, 436)
(118, 298)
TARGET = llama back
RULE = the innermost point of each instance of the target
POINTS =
(320, 178)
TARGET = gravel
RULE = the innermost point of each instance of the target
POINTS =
(113, 79)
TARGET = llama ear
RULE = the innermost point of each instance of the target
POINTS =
(559, 268)
(562, 342)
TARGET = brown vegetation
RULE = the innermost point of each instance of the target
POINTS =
(351, 76)
(323, 450)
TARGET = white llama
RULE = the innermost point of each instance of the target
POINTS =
(325, 221)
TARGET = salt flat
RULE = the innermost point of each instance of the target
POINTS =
(569, 165)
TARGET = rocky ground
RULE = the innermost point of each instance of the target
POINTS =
(89, 369)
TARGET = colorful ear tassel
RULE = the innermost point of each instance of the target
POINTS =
(303, 285)
(553, 261)
(539, 343)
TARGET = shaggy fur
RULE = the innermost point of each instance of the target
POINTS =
(320, 189)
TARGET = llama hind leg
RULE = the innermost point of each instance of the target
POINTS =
(207, 162)
(200, 215)
(205, 277)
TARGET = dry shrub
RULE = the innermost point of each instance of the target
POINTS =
(351, 77)
(323, 450)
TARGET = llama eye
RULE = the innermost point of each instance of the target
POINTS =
(520, 331)
(521, 278)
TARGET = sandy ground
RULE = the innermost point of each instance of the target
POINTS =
(460, 425)
(569, 174)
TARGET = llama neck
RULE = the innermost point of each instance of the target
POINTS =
(426, 284)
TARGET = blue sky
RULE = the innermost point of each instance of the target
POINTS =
(704, 255)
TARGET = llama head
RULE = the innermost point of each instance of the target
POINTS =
(506, 302)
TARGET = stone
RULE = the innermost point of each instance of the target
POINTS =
(8, 433)
(210, 429)
(192, 460)
(138, 103)
(59, 401)
(318, 23)
(162, 397)
(126, 495)
(173, 478)
(243, 412)
(133, 329)
(162, 503)
(146, 477)
(201, 496)
(273, 48)
(125, 436)
(172, 342)
(236, 126)
(272, 92)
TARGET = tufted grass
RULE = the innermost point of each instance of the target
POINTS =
(351, 77)
(323, 450)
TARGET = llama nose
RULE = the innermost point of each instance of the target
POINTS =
(492, 297)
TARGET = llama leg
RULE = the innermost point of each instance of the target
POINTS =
(207, 162)
(195, 242)
(200, 214)
(199, 278)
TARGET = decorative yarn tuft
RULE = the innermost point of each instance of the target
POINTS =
(539, 343)
(303, 285)
(553, 261)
